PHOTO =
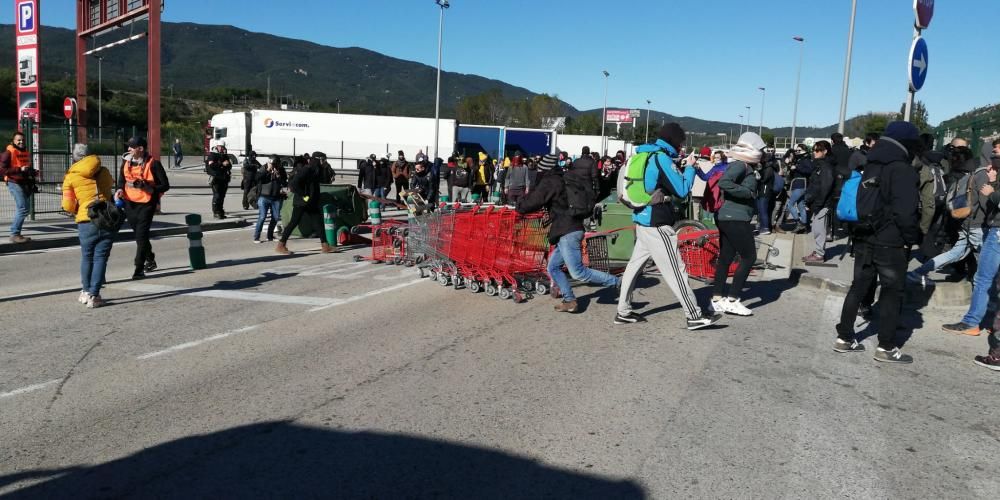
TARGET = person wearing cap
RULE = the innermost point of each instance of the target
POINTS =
(366, 175)
(220, 171)
(460, 180)
(655, 237)
(565, 232)
(883, 252)
(327, 174)
(249, 182)
(306, 202)
(88, 182)
(141, 182)
(401, 175)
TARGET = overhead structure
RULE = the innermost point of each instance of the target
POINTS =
(102, 17)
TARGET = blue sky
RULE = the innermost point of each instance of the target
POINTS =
(703, 58)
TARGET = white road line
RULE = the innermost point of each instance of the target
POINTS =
(340, 302)
(188, 345)
(30, 388)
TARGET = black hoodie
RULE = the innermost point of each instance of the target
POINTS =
(898, 185)
(550, 193)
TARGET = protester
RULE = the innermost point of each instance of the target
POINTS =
(482, 178)
(305, 188)
(327, 174)
(933, 193)
(460, 180)
(655, 237)
(220, 171)
(711, 199)
(882, 251)
(400, 174)
(565, 232)
(420, 182)
(140, 183)
(17, 172)
(820, 199)
(860, 156)
(272, 180)
(517, 181)
(433, 197)
(367, 183)
(178, 153)
(86, 183)
(800, 169)
(587, 168)
(383, 178)
(249, 180)
(765, 190)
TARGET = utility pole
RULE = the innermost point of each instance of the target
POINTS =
(604, 115)
(760, 128)
(847, 68)
(798, 79)
(443, 4)
(649, 105)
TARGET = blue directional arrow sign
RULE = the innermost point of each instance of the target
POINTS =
(918, 64)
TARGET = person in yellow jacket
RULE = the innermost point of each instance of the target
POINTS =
(87, 182)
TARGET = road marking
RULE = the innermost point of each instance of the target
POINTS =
(30, 388)
(340, 302)
(188, 345)
(226, 294)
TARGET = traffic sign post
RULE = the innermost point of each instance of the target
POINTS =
(69, 111)
(918, 64)
(923, 11)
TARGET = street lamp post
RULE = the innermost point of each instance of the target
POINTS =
(338, 105)
(748, 117)
(100, 100)
(760, 128)
(604, 115)
(443, 4)
(649, 105)
(741, 124)
(798, 79)
(847, 68)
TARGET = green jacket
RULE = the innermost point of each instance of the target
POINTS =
(739, 190)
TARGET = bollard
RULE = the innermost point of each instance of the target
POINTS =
(196, 251)
(475, 197)
(444, 198)
(374, 213)
(495, 198)
(328, 225)
(343, 235)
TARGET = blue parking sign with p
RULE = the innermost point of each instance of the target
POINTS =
(26, 16)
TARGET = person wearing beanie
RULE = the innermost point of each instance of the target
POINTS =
(655, 237)
(565, 232)
(883, 251)
(88, 182)
(305, 201)
(738, 186)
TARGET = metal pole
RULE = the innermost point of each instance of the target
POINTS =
(760, 128)
(648, 107)
(741, 124)
(798, 79)
(100, 100)
(437, 97)
(604, 116)
(748, 117)
(847, 68)
(909, 96)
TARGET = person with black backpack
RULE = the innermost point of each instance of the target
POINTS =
(249, 181)
(933, 192)
(887, 226)
(569, 199)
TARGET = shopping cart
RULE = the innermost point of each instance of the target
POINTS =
(388, 242)
(700, 252)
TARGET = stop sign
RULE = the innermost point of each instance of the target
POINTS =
(924, 11)
(69, 108)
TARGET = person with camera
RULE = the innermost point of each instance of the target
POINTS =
(87, 184)
(249, 170)
(220, 171)
(16, 170)
(401, 175)
(140, 185)
(272, 180)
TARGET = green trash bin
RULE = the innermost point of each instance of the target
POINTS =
(350, 210)
(617, 216)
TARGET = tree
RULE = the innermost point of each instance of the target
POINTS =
(874, 123)
(918, 115)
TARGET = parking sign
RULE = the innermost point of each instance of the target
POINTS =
(26, 19)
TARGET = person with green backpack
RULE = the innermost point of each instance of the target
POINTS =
(647, 185)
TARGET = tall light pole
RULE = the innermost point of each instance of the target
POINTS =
(847, 68)
(798, 79)
(760, 128)
(741, 124)
(443, 4)
(748, 117)
(604, 115)
(338, 111)
(649, 105)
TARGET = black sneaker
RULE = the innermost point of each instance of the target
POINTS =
(702, 322)
(893, 355)
(138, 274)
(150, 265)
(628, 319)
(991, 361)
(841, 345)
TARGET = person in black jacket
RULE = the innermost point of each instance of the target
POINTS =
(799, 171)
(220, 171)
(840, 156)
(420, 181)
(765, 190)
(383, 178)
(272, 180)
(366, 175)
(305, 188)
(460, 180)
(249, 171)
(882, 252)
(819, 198)
(565, 232)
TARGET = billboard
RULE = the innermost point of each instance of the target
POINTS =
(618, 116)
(26, 41)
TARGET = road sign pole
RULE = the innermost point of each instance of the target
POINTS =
(908, 109)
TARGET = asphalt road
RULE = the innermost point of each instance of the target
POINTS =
(315, 376)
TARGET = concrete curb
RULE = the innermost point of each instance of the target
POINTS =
(126, 235)
(946, 295)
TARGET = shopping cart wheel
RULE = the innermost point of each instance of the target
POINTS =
(541, 288)
(358, 258)
(491, 289)
(773, 251)
(423, 273)
(506, 293)
(475, 286)
(519, 297)
(443, 279)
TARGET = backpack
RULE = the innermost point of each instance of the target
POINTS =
(106, 216)
(631, 181)
(580, 195)
(712, 200)
(461, 174)
(959, 198)
(860, 201)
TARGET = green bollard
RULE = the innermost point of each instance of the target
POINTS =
(495, 197)
(328, 225)
(374, 212)
(475, 197)
(444, 198)
(196, 250)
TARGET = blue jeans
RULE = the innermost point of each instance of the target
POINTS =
(797, 205)
(95, 247)
(20, 206)
(568, 251)
(968, 241)
(764, 214)
(989, 264)
(265, 204)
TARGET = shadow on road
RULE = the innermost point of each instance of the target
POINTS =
(285, 460)
(219, 285)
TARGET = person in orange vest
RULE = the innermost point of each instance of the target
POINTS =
(16, 170)
(141, 182)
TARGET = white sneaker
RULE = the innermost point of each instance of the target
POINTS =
(719, 305)
(84, 297)
(94, 302)
(734, 306)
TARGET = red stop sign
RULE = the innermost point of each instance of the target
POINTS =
(69, 108)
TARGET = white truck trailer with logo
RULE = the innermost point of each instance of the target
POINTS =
(344, 138)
